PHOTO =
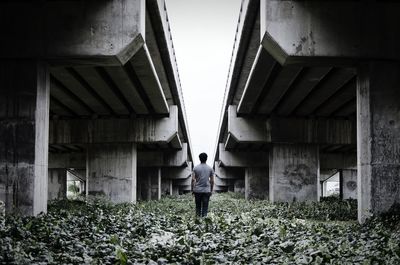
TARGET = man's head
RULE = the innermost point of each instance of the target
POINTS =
(203, 157)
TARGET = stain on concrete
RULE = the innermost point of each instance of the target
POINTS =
(297, 176)
(351, 185)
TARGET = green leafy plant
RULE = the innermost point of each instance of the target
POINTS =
(236, 231)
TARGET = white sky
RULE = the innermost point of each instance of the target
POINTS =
(203, 33)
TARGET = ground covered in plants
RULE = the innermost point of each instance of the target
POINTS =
(235, 232)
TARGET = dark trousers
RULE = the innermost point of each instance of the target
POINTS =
(202, 200)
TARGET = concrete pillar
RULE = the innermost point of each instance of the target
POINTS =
(378, 137)
(175, 190)
(166, 186)
(171, 187)
(294, 172)
(256, 183)
(239, 186)
(348, 184)
(24, 135)
(155, 184)
(112, 171)
(57, 184)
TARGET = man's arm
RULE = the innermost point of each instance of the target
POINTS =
(212, 182)
(193, 181)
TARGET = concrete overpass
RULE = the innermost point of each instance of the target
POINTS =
(93, 86)
(313, 87)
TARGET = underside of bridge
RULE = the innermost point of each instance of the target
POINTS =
(89, 88)
(311, 93)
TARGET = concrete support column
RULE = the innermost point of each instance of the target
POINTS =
(294, 172)
(57, 184)
(175, 190)
(171, 187)
(156, 184)
(166, 186)
(24, 135)
(112, 171)
(256, 183)
(378, 137)
(239, 186)
(348, 184)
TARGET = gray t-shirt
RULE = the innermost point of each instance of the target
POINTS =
(202, 173)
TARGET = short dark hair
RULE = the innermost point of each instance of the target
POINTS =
(203, 157)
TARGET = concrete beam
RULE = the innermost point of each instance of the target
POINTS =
(241, 158)
(228, 172)
(184, 182)
(67, 160)
(311, 31)
(98, 32)
(135, 130)
(167, 158)
(338, 161)
(177, 173)
(221, 182)
(289, 130)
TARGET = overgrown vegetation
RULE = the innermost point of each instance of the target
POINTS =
(236, 231)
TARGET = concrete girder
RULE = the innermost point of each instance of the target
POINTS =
(228, 172)
(107, 35)
(168, 158)
(338, 161)
(183, 182)
(138, 130)
(67, 160)
(177, 173)
(287, 130)
(309, 31)
(241, 158)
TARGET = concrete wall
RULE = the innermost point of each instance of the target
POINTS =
(256, 183)
(112, 171)
(294, 173)
(57, 185)
(348, 182)
(239, 186)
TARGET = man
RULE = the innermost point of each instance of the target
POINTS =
(202, 185)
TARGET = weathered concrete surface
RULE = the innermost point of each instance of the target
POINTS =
(77, 31)
(348, 184)
(156, 185)
(24, 123)
(289, 130)
(112, 171)
(144, 130)
(166, 186)
(378, 145)
(338, 161)
(57, 185)
(177, 172)
(242, 158)
(304, 31)
(165, 158)
(229, 172)
(239, 186)
(256, 183)
(67, 160)
(294, 173)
